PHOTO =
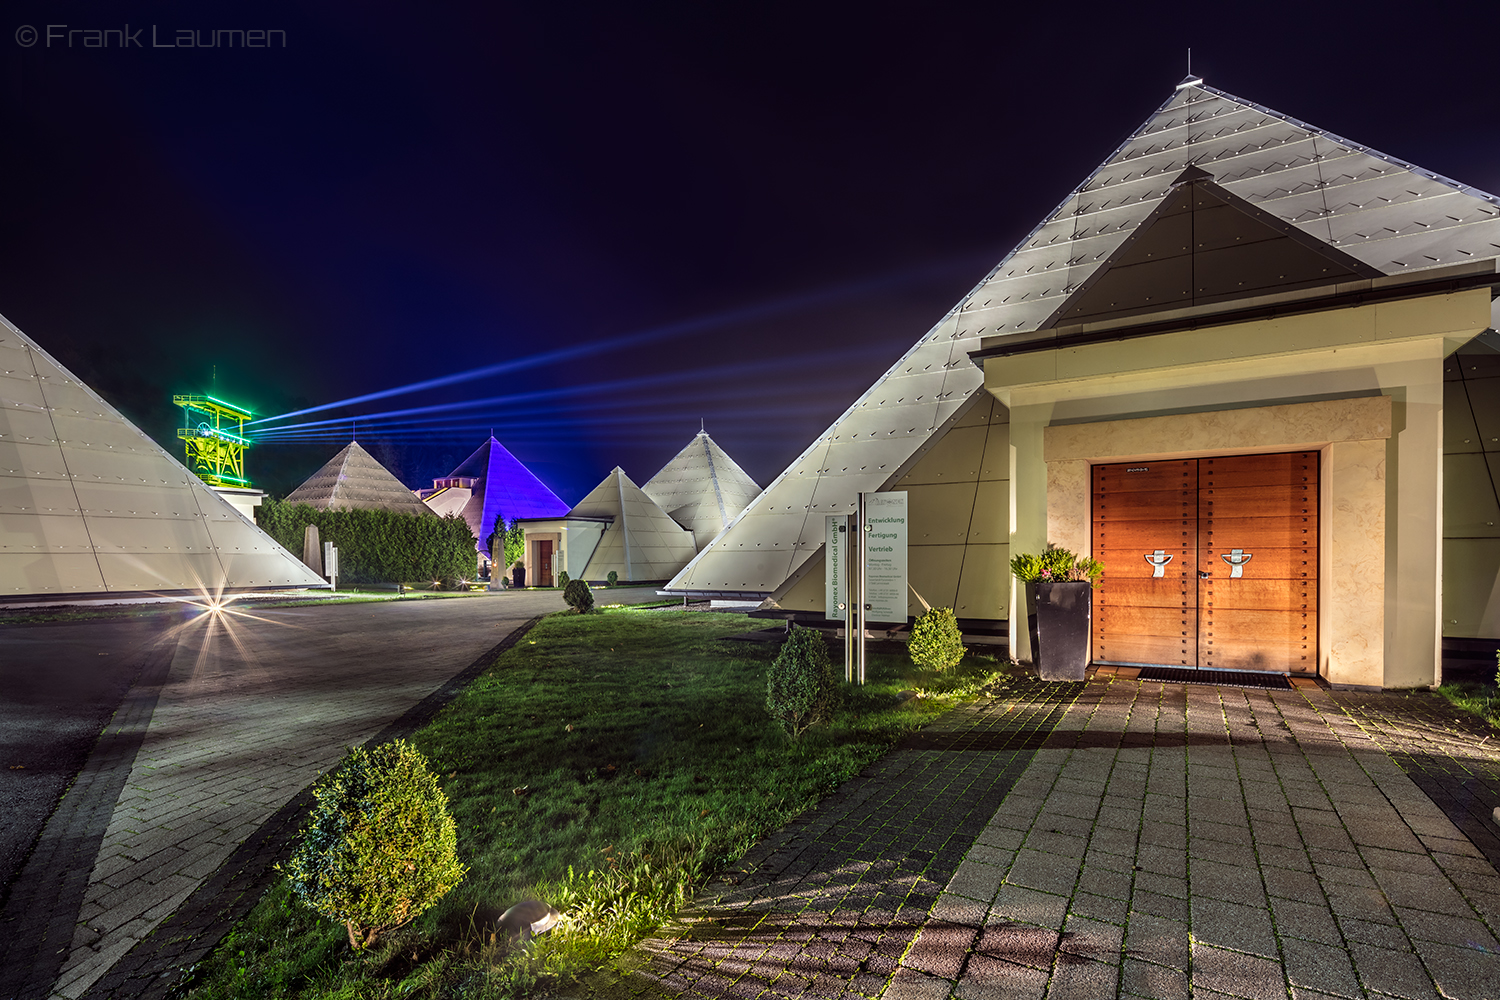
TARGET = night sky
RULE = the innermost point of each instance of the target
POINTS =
(647, 215)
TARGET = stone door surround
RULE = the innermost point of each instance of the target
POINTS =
(1350, 436)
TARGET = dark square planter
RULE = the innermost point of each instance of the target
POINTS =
(1059, 617)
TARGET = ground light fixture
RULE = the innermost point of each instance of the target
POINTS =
(529, 918)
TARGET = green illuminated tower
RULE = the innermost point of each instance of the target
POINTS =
(213, 436)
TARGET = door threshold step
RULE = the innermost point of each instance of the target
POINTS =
(1223, 678)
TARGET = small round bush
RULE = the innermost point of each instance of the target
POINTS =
(563, 579)
(579, 597)
(379, 846)
(936, 643)
(612, 579)
(802, 688)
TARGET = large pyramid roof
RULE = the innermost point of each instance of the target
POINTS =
(353, 478)
(89, 504)
(643, 542)
(702, 488)
(1357, 204)
(505, 488)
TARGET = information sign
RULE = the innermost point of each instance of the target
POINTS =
(885, 540)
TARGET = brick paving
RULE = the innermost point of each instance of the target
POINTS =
(1150, 840)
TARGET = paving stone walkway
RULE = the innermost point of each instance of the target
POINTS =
(1132, 839)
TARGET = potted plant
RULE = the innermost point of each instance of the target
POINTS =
(1059, 610)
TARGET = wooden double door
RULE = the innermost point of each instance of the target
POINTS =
(1208, 562)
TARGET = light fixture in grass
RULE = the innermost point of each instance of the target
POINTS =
(379, 846)
(936, 642)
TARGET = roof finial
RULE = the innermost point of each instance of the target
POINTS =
(354, 430)
(702, 426)
(1190, 60)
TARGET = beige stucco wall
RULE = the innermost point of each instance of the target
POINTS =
(1105, 402)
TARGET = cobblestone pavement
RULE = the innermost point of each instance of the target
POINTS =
(1132, 839)
(240, 718)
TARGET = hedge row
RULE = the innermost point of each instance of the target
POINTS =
(378, 546)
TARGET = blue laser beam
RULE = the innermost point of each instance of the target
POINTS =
(767, 310)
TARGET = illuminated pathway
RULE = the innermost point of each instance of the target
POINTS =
(226, 724)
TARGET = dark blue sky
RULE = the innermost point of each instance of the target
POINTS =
(407, 191)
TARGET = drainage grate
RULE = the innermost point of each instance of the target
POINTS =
(1224, 678)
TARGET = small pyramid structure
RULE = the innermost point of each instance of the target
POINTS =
(90, 505)
(502, 487)
(1139, 234)
(642, 543)
(353, 478)
(702, 488)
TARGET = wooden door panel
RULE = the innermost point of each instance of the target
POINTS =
(1131, 564)
(1178, 622)
(1259, 470)
(1197, 511)
(1258, 655)
(1135, 477)
(1167, 533)
(1258, 501)
(1269, 595)
(1146, 649)
(1264, 564)
(1167, 592)
(1255, 624)
(1276, 532)
(1146, 506)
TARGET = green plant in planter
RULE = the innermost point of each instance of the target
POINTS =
(1056, 565)
(936, 642)
(379, 846)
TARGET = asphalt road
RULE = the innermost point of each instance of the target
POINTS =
(59, 685)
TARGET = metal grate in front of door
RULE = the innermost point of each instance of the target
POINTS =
(1224, 678)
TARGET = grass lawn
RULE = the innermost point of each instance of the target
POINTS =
(608, 764)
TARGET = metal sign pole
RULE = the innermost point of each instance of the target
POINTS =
(859, 582)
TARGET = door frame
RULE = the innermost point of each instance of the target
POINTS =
(1350, 436)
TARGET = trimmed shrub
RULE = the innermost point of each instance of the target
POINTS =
(802, 688)
(379, 846)
(579, 596)
(612, 579)
(936, 643)
(563, 579)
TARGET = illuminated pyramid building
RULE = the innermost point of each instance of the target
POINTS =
(1233, 297)
(89, 505)
(353, 478)
(489, 484)
(616, 528)
(702, 488)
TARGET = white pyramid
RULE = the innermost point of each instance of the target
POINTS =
(90, 505)
(354, 479)
(1389, 214)
(702, 488)
(642, 543)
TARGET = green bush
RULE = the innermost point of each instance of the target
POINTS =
(802, 687)
(379, 846)
(563, 579)
(612, 579)
(936, 643)
(579, 597)
(378, 546)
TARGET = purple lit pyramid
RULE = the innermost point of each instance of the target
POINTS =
(492, 483)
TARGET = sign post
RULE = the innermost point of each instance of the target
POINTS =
(836, 604)
(882, 562)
